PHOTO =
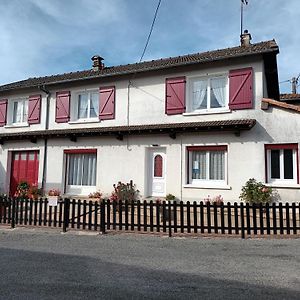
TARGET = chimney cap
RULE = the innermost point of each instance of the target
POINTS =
(246, 38)
(97, 62)
(97, 57)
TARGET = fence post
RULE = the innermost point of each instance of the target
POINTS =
(66, 214)
(242, 221)
(169, 217)
(102, 220)
(13, 213)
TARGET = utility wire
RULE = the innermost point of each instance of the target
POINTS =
(151, 29)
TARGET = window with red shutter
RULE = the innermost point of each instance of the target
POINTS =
(107, 103)
(241, 88)
(3, 112)
(175, 95)
(62, 107)
(34, 109)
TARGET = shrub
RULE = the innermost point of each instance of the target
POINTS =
(124, 191)
(170, 197)
(256, 192)
(23, 190)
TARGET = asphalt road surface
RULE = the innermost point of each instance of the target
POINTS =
(37, 264)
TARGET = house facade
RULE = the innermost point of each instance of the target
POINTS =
(194, 126)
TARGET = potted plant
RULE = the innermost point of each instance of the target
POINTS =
(53, 195)
(96, 196)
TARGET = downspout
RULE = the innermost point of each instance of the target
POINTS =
(43, 89)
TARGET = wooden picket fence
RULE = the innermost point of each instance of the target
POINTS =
(147, 216)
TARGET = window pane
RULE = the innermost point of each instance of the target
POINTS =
(198, 165)
(158, 166)
(288, 164)
(200, 94)
(25, 111)
(17, 113)
(82, 106)
(217, 92)
(31, 156)
(275, 164)
(82, 169)
(217, 165)
(94, 106)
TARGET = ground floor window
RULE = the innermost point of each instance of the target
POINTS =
(81, 168)
(207, 164)
(282, 163)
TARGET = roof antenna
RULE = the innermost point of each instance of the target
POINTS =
(243, 2)
(294, 82)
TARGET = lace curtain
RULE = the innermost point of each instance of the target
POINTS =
(216, 165)
(200, 94)
(82, 169)
(218, 95)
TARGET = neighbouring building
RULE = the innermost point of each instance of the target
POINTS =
(194, 125)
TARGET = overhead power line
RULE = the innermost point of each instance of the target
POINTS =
(151, 29)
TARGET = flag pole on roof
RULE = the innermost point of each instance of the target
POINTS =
(243, 2)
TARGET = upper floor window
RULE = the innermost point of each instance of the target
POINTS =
(88, 105)
(208, 94)
(19, 111)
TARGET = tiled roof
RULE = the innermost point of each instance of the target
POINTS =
(288, 97)
(225, 125)
(198, 58)
(267, 102)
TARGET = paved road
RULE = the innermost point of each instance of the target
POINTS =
(37, 264)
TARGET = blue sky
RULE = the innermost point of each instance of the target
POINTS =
(44, 37)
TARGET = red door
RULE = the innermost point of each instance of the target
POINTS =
(24, 167)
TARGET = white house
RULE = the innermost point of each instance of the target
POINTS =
(194, 125)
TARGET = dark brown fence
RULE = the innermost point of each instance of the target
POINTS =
(166, 217)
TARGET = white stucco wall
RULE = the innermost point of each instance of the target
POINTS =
(128, 159)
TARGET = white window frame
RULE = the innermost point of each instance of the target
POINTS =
(281, 180)
(78, 189)
(76, 117)
(24, 120)
(208, 110)
(207, 182)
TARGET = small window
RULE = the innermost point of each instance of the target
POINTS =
(207, 164)
(158, 166)
(19, 111)
(87, 105)
(208, 94)
(282, 163)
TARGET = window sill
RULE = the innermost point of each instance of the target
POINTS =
(209, 187)
(84, 121)
(207, 112)
(283, 185)
(20, 125)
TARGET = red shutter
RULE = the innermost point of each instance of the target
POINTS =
(62, 107)
(34, 109)
(175, 95)
(240, 89)
(107, 103)
(3, 112)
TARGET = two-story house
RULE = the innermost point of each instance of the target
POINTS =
(194, 125)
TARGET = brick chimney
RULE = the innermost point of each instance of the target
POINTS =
(97, 63)
(245, 39)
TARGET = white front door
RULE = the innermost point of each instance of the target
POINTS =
(158, 173)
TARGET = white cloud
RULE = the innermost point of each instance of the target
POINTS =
(40, 37)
